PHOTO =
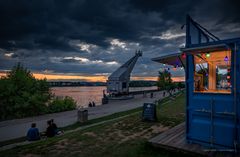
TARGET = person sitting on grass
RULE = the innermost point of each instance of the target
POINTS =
(50, 132)
(56, 130)
(54, 126)
(90, 104)
(33, 133)
(93, 104)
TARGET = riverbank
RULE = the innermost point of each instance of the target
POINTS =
(122, 137)
(83, 95)
(8, 128)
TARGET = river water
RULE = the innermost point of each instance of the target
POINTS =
(83, 95)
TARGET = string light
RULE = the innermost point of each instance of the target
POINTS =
(183, 55)
(226, 59)
(208, 55)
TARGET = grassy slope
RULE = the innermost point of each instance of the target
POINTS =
(76, 125)
(126, 137)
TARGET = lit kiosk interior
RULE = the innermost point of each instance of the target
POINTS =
(212, 87)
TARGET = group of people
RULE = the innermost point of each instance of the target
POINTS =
(91, 104)
(52, 130)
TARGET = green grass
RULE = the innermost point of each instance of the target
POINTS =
(97, 120)
(17, 140)
(172, 113)
(77, 124)
(124, 137)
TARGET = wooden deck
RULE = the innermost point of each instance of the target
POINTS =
(174, 140)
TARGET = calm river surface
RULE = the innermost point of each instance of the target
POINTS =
(82, 95)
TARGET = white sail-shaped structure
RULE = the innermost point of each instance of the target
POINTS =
(118, 81)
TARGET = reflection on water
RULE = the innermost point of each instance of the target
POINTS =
(83, 95)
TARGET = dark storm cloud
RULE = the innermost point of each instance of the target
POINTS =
(51, 24)
(41, 33)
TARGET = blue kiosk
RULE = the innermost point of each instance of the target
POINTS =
(212, 73)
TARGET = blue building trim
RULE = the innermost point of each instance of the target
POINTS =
(212, 119)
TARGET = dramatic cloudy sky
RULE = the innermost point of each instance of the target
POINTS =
(94, 37)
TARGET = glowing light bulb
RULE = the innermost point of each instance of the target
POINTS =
(183, 55)
(226, 59)
(208, 55)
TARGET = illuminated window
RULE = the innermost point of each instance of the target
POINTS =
(212, 72)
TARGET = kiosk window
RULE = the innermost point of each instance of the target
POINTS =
(212, 72)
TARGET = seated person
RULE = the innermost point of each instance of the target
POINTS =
(90, 104)
(50, 132)
(33, 133)
(93, 104)
(56, 130)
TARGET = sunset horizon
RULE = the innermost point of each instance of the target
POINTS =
(89, 78)
(119, 78)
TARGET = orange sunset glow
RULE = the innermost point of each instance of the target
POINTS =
(101, 78)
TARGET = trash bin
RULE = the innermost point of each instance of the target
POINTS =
(82, 116)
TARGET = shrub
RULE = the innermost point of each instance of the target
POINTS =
(22, 95)
(59, 105)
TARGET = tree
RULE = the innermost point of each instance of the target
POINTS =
(165, 81)
(180, 85)
(22, 95)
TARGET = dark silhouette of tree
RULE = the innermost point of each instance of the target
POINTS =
(22, 95)
(165, 81)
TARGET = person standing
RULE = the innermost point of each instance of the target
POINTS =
(151, 95)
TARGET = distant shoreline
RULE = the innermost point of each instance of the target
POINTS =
(89, 84)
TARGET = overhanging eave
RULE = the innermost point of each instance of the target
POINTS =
(176, 59)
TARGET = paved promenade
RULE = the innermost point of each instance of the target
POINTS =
(12, 129)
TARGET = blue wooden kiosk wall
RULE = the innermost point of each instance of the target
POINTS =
(212, 119)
